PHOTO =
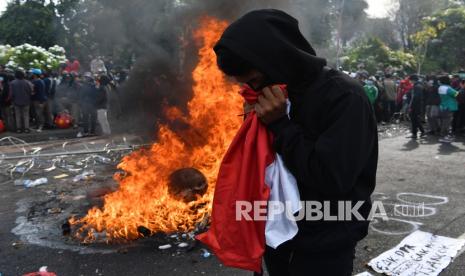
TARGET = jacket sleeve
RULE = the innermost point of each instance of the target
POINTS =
(332, 162)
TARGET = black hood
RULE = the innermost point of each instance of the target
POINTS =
(270, 40)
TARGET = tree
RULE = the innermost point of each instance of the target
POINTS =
(376, 55)
(441, 40)
(409, 15)
(31, 21)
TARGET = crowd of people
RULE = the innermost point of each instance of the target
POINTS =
(435, 100)
(39, 100)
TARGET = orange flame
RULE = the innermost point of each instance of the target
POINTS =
(142, 198)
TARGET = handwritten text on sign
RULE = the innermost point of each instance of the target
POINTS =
(419, 254)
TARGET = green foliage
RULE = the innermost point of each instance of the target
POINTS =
(442, 39)
(29, 22)
(375, 55)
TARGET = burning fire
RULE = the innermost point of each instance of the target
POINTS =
(143, 198)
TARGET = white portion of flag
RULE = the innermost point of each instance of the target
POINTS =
(280, 226)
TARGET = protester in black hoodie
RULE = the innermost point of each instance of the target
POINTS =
(415, 99)
(87, 99)
(329, 143)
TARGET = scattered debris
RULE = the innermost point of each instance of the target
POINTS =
(17, 245)
(61, 176)
(34, 183)
(205, 253)
(164, 247)
(20, 169)
(19, 182)
(86, 175)
(30, 183)
(183, 245)
(53, 167)
(102, 159)
(55, 210)
(79, 197)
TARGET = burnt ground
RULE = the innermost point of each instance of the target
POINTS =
(31, 218)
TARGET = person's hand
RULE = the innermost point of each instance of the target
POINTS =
(271, 105)
(248, 107)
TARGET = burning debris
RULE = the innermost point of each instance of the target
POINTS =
(187, 184)
(143, 200)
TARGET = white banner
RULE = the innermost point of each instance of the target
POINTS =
(420, 253)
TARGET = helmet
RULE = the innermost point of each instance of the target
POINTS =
(63, 120)
(36, 72)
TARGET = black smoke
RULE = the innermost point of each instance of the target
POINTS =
(157, 35)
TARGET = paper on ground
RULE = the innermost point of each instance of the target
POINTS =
(420, 253)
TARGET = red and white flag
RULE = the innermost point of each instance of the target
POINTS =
(251, 172)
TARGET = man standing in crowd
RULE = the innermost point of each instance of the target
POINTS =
(50, 88)
(87, 99)
(390, 94)
(371, 91)
(73, 66)
(101, 104)
(403, 88)
(458, 123)
(415, 106)
(39, 98)
(447, 107)
(21, 92)
(432, 101)
(97, 66)
(67, 97)
(5, 99)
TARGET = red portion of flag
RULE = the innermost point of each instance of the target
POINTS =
(241, 243)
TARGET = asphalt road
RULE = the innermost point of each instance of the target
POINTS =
(434, 173)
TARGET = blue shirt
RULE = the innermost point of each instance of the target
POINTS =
(39, 91)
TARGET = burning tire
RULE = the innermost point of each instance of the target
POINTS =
(186, 184)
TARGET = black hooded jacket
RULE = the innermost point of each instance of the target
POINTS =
(330, 142)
